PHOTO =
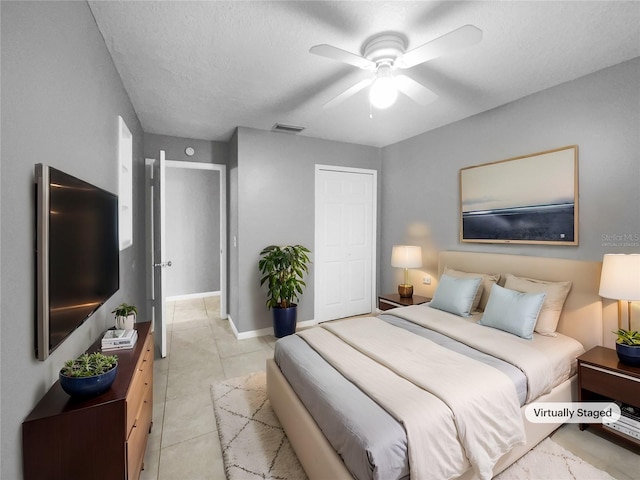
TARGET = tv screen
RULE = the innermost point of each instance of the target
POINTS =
(77, 254)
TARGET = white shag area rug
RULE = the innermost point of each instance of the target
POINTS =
(254, 444)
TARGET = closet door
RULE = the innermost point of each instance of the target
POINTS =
(344, 242)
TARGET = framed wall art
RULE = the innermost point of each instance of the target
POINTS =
(530, 199)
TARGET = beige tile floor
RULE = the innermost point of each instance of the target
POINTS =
(201, 349)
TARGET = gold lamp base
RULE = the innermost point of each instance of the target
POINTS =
(405, 290)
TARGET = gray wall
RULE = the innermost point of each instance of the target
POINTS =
(206, 151)
(600, 113)
(272, 202)
(193, 231)
(61, 97)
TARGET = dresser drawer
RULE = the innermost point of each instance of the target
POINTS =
(610, 384)
(142, 378)
(137, 441)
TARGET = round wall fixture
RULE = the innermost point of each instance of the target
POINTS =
(189, 151)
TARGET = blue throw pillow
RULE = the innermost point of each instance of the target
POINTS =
(513, 312)
(455, 295)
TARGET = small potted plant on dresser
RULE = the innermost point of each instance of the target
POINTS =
(89, 375)
(125, 316)
(283, 269)
(628, 347)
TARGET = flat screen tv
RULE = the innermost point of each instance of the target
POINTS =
(77, 254)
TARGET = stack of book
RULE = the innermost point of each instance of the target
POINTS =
(629, 422)
(119, 339)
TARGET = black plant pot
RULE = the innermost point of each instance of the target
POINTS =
(628, 354)
(284, 320)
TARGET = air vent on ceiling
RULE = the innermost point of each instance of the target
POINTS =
(281, 127)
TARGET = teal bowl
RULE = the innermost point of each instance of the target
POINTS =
(628, 354)
(86, 387)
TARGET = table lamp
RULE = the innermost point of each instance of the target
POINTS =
(620, 280)
(406, 256)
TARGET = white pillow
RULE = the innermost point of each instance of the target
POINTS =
(513, 312)
(482, 296)
(556, 294)
(455, 295)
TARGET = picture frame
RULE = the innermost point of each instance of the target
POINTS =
(532, 199)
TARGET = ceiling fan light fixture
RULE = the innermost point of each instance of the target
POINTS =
(383, 93)
(387, 52)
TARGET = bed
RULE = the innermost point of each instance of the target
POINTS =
(580, 319)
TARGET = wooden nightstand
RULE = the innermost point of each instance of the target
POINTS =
(601, 377)
(393, 300)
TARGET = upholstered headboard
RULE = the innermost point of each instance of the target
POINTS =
(581, 316)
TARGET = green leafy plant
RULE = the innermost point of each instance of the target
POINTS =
(89, 365)
(628, 337)
(124, 310)
(283, 269)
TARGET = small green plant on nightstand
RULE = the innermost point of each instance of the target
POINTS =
(628, 337)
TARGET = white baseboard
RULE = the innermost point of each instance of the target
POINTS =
(190, 296)
(263, 331)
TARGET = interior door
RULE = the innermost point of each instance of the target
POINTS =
(159, 261)
(345, 242)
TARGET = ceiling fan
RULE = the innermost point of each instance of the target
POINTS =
(384, 54)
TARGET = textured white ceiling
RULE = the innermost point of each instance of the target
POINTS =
(200, 69)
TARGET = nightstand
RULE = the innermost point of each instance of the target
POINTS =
(601, 378)
(393, 300)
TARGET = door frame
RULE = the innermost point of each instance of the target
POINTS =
(223, 225)
(222, 169)
(374, 229)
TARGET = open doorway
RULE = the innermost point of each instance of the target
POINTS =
(192, 213)
(194, 227)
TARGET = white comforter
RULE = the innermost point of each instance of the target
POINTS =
(441, 397)
(546, 361)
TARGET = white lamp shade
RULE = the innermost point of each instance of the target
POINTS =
(406, 256)
(620, 278)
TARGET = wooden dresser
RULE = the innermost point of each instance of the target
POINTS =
(102, 438)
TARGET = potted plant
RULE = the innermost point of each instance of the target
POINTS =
(283, 268)
(89, 375)
(125, 316)
(628, 347)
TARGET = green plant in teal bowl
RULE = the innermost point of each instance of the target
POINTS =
(89, 375)
(628, 347)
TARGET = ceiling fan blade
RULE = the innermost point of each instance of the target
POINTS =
(348, 93)
(448, 43)
(335, 53)
(414, 90)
